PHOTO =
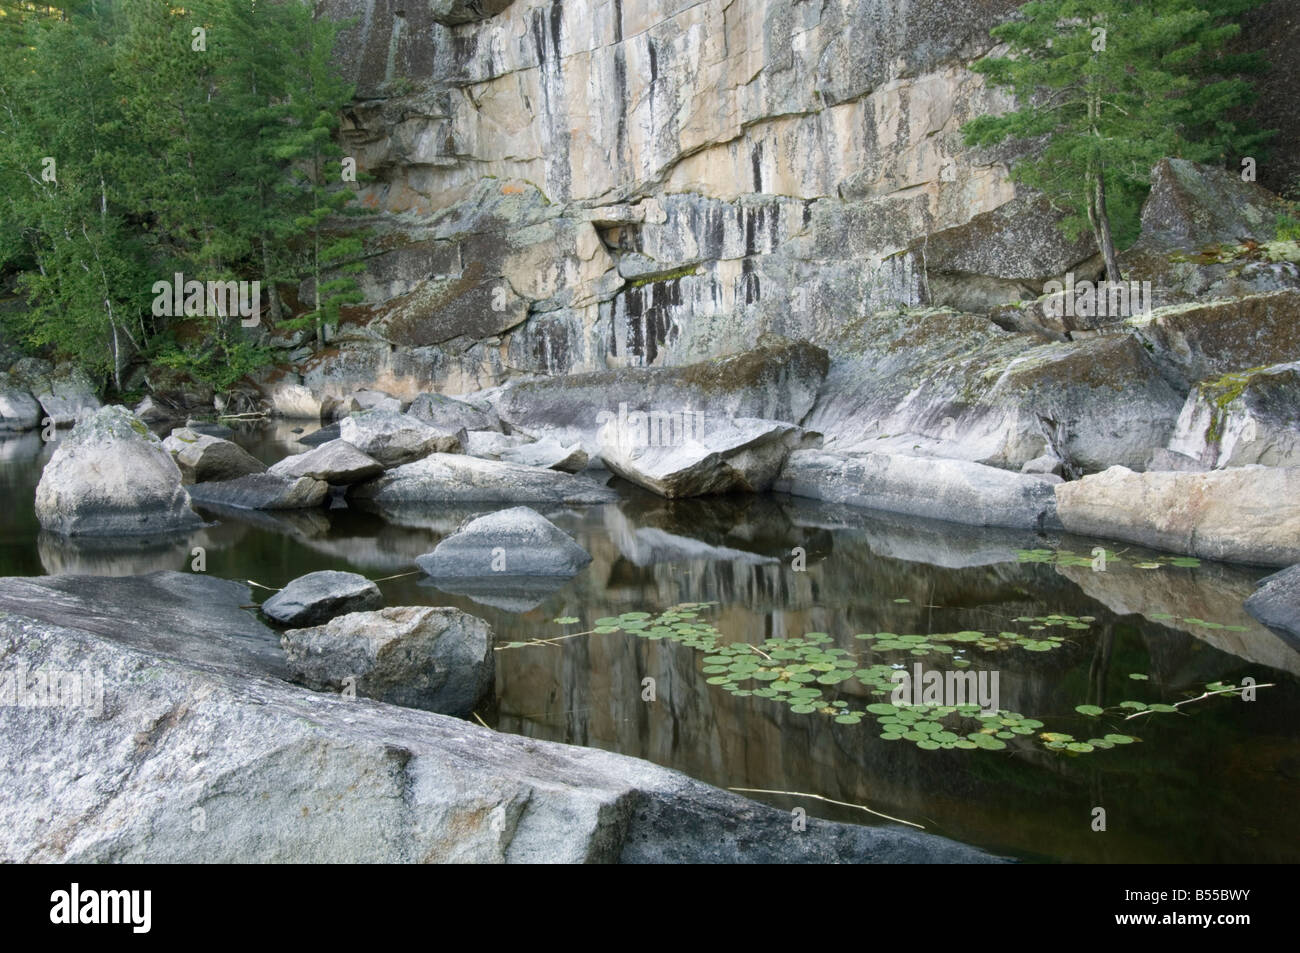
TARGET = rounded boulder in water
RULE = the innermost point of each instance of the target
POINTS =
(515, 542)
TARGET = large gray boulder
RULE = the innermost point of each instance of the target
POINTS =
(18, 408)
(955, 490)
(394, 438)
(741, 455)
(1276, 602)
(336, 462)
(262, 491)
(514, 542)
(1245, 418)
(192, 731)
(317, 597)
(111, 477)
(944, 384)
(1244, 514)
(456, 478)
(1203, 340)
(65, 394)
(1194, 222)
(201, 457)
(777, 380)
(437, 659)
(450, 415)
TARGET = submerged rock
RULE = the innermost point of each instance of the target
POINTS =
(514, 542)
(1244, 514)
(317, 597)
(955, 490)
(741, 455)
(262, 491)
(110, 476)
(437, 659)
(201, 457)
(394, 438)
(1276, 602)
(456, 478)
(335, 461)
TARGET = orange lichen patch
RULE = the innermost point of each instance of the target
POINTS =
(512, 188)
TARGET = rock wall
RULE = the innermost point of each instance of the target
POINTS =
(577, 185)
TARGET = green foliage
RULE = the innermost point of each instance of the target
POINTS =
(218, 163)
(1106, 88)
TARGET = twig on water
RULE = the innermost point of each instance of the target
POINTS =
(482, 722)
(1187, 701)
(819, 797)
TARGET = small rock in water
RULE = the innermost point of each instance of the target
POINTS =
(514, 542)
(317, 597)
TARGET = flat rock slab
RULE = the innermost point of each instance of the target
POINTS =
(317, 597)
(262, 491)
(186, 616)
(514, 542)
(394, 438)
(284, 774)
(958, 491)
(335, 461)
(457, 478)
(1244, 514)
(436, 659)
(742, 455)
(1276, 602)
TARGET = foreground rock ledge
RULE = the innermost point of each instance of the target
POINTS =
(284, 774)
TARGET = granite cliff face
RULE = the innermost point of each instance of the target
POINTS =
(568, 186)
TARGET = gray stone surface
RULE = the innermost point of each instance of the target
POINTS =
(742, 455)
(284, 774)
(202, 458)
(1244, 514)
(317, 597)
(455, 478)
(514, 542)
(394, 438)
(1276, 602)
(262, 491)
(335, 461)
(110, 476)
(955, 490)
(436, 659)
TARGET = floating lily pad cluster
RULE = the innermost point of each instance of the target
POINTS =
(799, 672)
(932, 727)
(1064, 557)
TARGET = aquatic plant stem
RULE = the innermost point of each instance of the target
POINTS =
(1188, 701)
(828, 801)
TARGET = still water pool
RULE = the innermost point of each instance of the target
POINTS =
(1213, 780)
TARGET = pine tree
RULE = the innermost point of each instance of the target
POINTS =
(1111, 87)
